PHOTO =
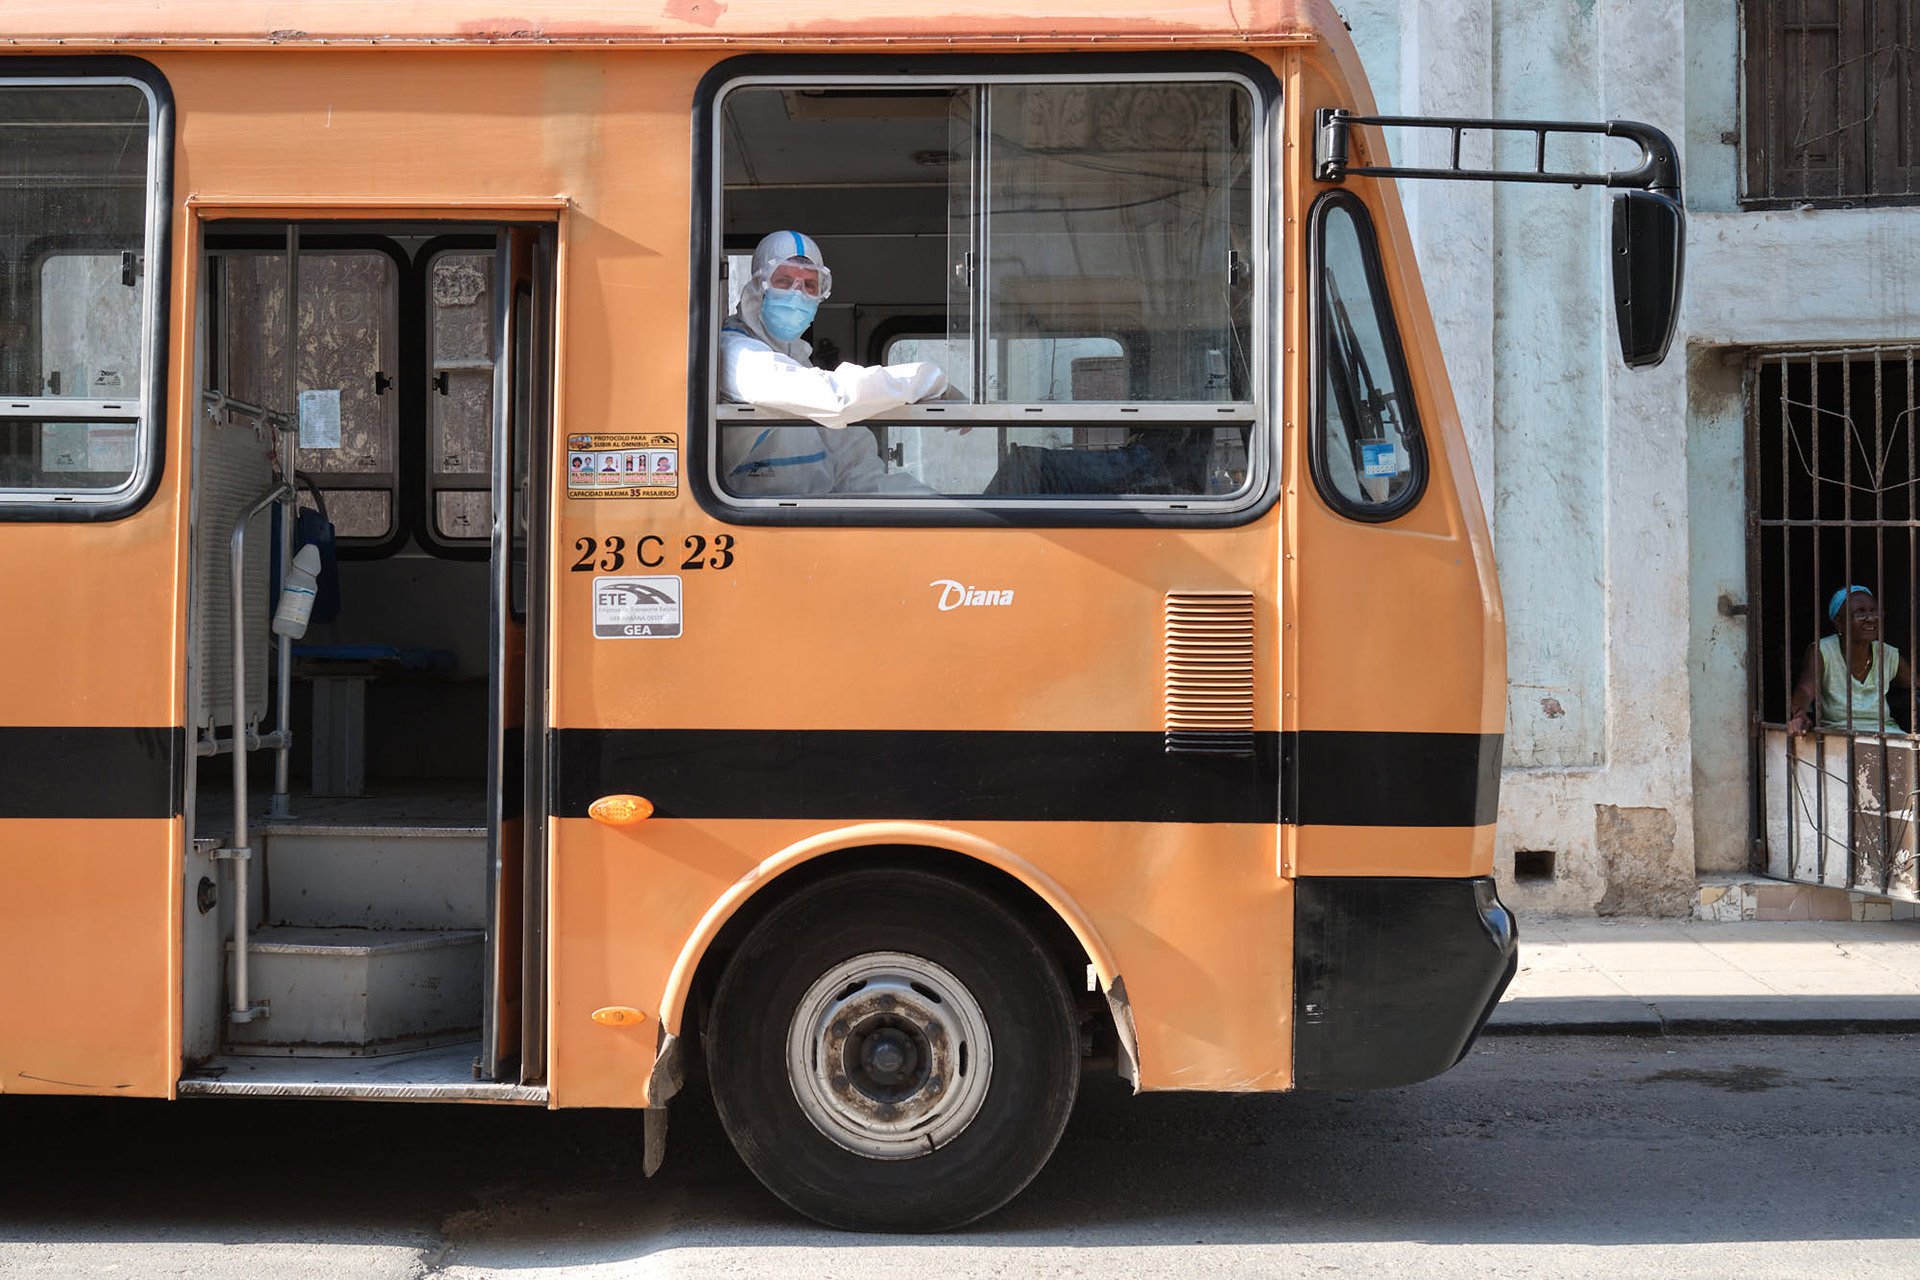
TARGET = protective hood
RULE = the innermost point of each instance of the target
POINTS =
(769, 253)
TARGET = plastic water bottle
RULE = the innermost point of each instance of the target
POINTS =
(296, 598)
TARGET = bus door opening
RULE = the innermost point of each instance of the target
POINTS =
(362, 902)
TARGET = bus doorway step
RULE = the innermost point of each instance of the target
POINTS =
(444, 1074)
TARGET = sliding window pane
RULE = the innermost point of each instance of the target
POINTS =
(67, 456)
(73, 200)
(460, 320)
(1121, 212)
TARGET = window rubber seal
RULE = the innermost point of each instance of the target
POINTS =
(1368, 513)
(825, 68)
(159, 281)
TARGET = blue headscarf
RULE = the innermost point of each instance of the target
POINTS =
(1840, 598)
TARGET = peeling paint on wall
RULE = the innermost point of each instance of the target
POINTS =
(1644, 872)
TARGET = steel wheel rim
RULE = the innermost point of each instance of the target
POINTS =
(889, 1056)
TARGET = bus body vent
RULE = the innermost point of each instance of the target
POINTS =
(1210, 672)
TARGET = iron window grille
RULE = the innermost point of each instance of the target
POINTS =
(1833, 479)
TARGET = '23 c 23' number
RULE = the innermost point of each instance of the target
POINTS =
(610, 554)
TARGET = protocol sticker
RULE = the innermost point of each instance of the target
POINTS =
(636, 608)
(629, 465)
(1379, 458)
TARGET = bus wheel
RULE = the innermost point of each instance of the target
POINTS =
(892, 1051)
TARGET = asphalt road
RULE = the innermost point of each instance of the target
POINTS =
(1750, 1157)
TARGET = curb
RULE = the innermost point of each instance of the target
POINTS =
(1706, 1016)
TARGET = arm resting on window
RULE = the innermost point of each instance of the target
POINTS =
(1806, 693)
(752, 373)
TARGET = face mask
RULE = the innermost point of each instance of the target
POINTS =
(787, 313)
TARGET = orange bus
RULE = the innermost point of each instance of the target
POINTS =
(1140, 710)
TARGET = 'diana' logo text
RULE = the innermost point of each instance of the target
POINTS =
(957, 595)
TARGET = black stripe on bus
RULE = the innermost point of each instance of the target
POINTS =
(1345, 779)
(1357, 779)
(66, 771)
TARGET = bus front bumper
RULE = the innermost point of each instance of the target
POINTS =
(1394, 977)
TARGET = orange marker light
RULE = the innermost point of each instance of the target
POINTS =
(620, 811)
(619, 1015)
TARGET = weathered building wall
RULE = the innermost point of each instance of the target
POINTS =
(1617, 496)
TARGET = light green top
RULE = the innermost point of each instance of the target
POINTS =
(1856, 705)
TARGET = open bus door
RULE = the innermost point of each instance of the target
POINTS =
(515, 799)
(377, 929)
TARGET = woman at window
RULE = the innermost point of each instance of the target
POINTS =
(1846, 675)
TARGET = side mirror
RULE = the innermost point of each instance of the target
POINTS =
(1649, 259)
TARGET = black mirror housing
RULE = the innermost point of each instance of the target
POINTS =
(1649, 261)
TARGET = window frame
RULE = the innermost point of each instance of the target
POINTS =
(413, 517)
(1409, 498)
(417, 486)
(1764, 156)
(435, 482)
(147, 411)
(244, 241)
(1260, 414)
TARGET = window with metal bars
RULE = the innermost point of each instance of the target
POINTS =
(1833, 481)
(1832, 92)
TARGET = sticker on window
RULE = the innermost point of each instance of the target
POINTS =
(636, 608)
(1379, 458)
(320, 419)
(631, 465)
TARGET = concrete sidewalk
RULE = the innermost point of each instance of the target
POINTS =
(1653, 977)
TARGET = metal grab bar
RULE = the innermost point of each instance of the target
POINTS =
(238, 851)
(287, 492)
(289, 476)
(212, 744)
(1658, 170)
(221, 402)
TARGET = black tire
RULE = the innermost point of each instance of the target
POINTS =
(1028, 1091)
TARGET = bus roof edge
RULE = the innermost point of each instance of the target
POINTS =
(75, 25)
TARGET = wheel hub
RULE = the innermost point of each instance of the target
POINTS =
(888, 1055)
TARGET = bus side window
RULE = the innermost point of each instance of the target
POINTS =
(1368, 459)
(82, 235)
(1078, 258)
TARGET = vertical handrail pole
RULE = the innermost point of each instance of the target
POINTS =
(283, 673)
(236, 580)
(239, 850)
(283, 690)
(289, 438)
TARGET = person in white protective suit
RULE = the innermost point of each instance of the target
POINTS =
(764, 363)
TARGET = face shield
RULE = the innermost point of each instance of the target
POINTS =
(782, 248)
(800, 276)
(790, 278)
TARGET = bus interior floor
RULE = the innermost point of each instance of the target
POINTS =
(409, 804)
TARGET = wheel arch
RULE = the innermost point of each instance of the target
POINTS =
(1060, 923)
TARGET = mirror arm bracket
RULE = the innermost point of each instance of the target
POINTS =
(1658, 170)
